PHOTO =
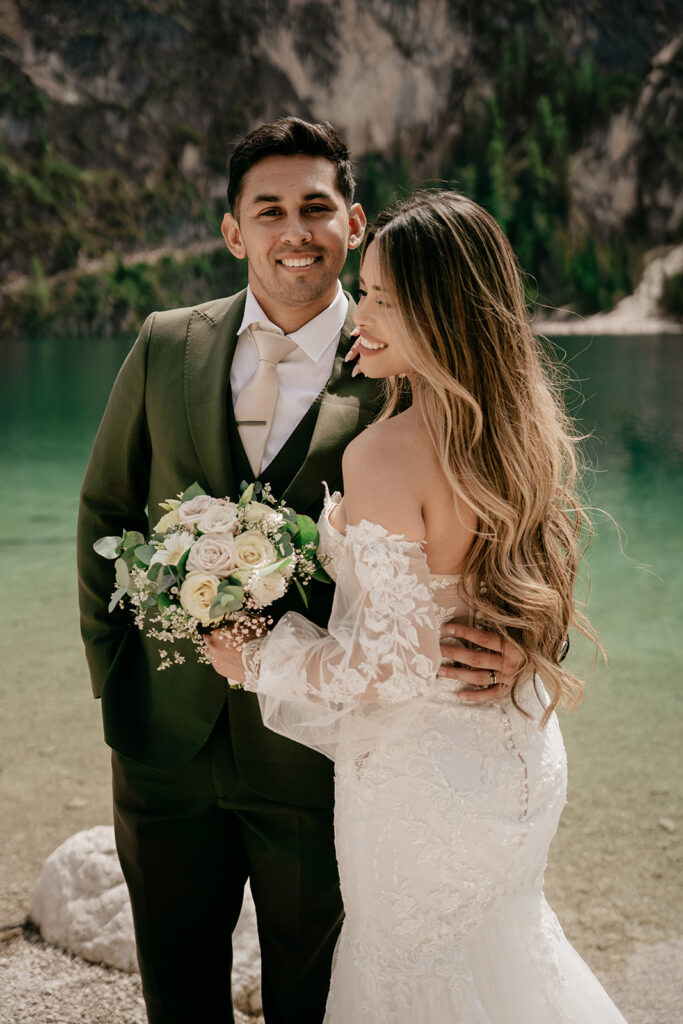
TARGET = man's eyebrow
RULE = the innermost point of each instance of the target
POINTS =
(264, 197)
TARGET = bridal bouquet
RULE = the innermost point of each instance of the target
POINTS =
(210, 563)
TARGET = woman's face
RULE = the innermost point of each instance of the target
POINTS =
(382, 331)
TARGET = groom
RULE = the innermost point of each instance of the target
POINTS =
(204, 796)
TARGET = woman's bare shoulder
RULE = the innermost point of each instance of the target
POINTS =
(378, 482)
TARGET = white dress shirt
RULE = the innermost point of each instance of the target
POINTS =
(301, 375)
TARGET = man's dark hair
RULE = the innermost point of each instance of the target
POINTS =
(290, 136)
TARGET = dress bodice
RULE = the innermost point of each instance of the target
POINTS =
(447, 591)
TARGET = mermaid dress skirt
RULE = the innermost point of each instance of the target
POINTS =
(444, 812)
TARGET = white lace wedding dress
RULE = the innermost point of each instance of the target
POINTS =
(444, 812)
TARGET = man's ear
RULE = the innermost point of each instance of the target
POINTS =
(357, 224)
(230, 230)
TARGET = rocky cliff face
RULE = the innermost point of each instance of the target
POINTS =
(116, 119)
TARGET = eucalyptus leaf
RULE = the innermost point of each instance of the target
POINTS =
(132, 540)
(168, 578)
(220, 607)
(149, 602)
(229, 599)
(193, 491)
(108, 547)
(116, 597)
(154, 570)
(284, 545)
(122, 574)
(128, 555)
(237, 577)
(227, 586)
(145, 553)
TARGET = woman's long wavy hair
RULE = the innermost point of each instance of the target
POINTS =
(492, 403)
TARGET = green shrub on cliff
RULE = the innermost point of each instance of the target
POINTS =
(672, 295)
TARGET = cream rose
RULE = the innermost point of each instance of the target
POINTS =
(167, 521)
(266, 589)
(190, 511)
(221, 517)
(254, 551)
(257, 512)
(213, 554)
(175, 546)
(197, 594)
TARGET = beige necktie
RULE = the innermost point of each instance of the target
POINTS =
(255, 404)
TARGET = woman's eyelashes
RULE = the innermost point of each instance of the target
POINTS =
(362, 294)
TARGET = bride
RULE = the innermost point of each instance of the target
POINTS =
(460, 507)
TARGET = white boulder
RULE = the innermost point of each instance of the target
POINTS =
(81, 901)
(81, 904)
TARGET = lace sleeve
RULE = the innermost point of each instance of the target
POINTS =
(380, 651)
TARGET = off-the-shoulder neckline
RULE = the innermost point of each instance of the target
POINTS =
(397, 538)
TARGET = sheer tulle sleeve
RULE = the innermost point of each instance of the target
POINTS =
(350, 683)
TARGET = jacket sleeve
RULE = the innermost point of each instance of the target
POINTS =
(352, 683)
(113, 498)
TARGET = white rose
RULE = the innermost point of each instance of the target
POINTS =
(221, 517)
(266, 589)
(213, 554)
(197, 594)
(257, 512)
(254, 551)
(175, 546)
(190, 511)
(167, 521)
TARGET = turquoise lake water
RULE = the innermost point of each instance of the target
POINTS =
(627, 393)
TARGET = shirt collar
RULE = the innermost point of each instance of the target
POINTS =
(315, 337)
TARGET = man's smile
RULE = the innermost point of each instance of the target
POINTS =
(298, 262)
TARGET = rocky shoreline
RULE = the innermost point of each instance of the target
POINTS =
(639, 313)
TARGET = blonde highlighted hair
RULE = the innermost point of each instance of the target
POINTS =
(493, 406)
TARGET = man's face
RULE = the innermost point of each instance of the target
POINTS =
(294, 228)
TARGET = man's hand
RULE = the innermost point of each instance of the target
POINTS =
(227, 660)
(491, 671)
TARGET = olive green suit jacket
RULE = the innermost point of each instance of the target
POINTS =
(165, 426)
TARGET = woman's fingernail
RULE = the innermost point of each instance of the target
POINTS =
(355, 371)
(349, 355)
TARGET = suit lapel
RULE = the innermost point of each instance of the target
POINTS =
(347, 405)
(209, 348)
